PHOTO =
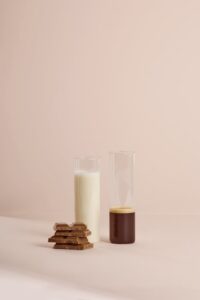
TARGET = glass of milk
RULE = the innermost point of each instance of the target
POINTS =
(87, 194)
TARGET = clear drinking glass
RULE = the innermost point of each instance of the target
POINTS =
(87, 194)
(122, 209)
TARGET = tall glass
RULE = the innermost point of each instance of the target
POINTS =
(122, 209)
(87, 194)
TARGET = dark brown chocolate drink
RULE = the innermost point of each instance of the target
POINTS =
(122, 225)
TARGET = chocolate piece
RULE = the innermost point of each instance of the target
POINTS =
(73, 247)
(61, 226)
(78, 226)
(74, 233)
(68, 240)
(74, 226)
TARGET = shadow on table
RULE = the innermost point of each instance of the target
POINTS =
(43, 245)
(104, 239)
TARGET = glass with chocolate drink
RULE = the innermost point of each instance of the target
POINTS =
(122, 213)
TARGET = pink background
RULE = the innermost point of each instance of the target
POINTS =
(86, 77)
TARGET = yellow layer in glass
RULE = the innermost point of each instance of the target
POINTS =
(121, 210)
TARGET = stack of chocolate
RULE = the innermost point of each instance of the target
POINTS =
(71, 236)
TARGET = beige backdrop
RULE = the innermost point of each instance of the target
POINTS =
(86, 77)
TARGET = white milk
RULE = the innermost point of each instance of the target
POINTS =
(87, 201)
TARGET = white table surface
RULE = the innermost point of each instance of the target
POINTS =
(163, 264)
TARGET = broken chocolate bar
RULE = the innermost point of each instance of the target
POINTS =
(74, 233)
(73, 247)
(61, 226)
(78, 226)
(72, 236)
(68, 240)
(74, 226)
